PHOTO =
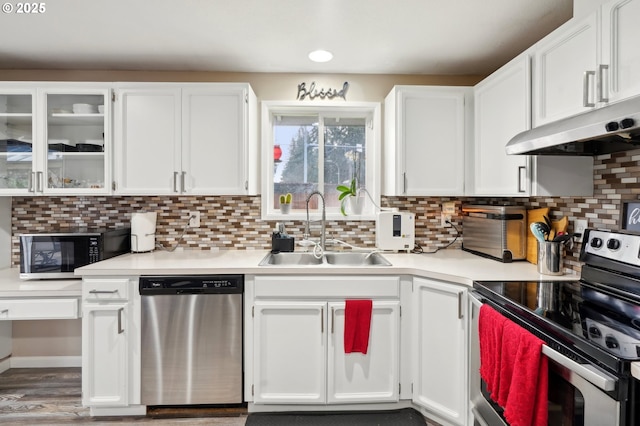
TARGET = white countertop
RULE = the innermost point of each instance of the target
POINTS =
(12, 286)
(452, 265)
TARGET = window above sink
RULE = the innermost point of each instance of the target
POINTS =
(317, 146)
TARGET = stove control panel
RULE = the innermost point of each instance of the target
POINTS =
(613, 245)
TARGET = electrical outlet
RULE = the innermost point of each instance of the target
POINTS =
(194, 219)
(448, 210)
(443, 220)
(579, 225)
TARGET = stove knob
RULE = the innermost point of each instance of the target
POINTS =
(596, 243)
(611, 342)
(594, 332)
(613, 244)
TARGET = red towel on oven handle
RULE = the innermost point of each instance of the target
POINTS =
(490, 326)
(514, 369)
(357, 325)
(526, 401)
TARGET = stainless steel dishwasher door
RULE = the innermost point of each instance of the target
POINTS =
(191, 349)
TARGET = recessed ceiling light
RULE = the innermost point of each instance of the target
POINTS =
(320, 56)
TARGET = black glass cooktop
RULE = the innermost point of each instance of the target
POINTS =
(598, 325)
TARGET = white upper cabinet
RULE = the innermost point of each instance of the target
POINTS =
(147, 140)
(424, 144)
(186, 139)
(565, 64)
(55, 139)
(587, 63)
(620, 63)
(502, 105)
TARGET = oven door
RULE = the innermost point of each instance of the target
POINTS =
(577, 392)
(54, 256)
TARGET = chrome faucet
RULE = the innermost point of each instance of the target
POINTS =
(324, 219)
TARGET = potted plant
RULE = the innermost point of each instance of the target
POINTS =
(285, 203)
(352, 196)
(349, 195)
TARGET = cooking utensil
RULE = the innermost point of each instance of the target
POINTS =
(537, 229)
(562, 238)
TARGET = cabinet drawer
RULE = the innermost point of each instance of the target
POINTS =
(97, 290)
(38, 309)
(327, 286)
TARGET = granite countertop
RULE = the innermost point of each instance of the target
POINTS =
(453, 265)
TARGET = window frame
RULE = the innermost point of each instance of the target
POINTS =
(371, 110)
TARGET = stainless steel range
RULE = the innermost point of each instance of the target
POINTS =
(591, 330)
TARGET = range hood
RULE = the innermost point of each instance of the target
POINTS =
(605, 130)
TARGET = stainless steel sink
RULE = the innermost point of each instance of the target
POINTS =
(356, 259)
(328, 259)
(291, 259)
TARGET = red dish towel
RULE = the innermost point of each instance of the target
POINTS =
(514, 368)
(357, 323)
(490, 326)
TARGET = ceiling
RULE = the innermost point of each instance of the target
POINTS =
(472, 37)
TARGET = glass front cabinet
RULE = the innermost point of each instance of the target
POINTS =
(55, 139)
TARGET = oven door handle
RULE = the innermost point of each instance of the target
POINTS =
(586, 371)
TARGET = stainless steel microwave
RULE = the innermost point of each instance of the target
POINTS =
(57, 255)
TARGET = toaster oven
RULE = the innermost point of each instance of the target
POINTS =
(497, 232)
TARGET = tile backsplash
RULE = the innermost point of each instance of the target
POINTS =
(233, 222)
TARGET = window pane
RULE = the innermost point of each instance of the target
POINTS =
(345, 155)
(296, 171)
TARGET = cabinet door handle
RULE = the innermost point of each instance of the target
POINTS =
(31, 179)
(404, 183)
(585, 89)
(175, 182)
(460, 313)
(333, 314)
(120, 329)
(601, 86)
(182, 180)
(322, 320)
(103, 291)
(39, 182)
(520, 179)
(4, 311)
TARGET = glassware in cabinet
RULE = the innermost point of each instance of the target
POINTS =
(75, 137)
(16, 141)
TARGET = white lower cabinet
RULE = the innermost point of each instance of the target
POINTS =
(110, 343)
(371, 377)
(298, 344)
(104, 355)
(440, 353)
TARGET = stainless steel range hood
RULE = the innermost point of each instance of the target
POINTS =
(613, 128)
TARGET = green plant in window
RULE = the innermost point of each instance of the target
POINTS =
(345, 193)
(285, 198)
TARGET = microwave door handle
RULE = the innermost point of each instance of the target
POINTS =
(586, 371)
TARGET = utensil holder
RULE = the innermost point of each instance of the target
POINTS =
(550, 258)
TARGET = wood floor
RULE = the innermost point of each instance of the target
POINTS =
(52, 396)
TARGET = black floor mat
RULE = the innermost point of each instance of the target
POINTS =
(404, 417)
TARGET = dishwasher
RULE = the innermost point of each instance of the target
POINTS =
(191, 339)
